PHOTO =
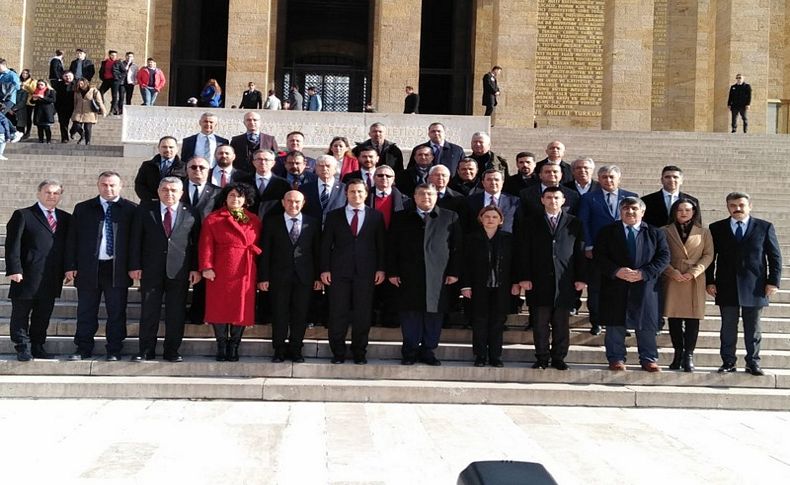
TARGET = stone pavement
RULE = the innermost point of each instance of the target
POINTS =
(223, 442)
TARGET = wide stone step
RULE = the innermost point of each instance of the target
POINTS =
(343, 390)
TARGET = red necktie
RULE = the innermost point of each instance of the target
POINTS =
(223, 180)
(53, 224)
(355, 223)
(168, 222)
(367, 180)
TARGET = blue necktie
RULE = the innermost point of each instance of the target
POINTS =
(164, 165)
(739, 231)
(108, 231)
(324, 196)
(631, 242)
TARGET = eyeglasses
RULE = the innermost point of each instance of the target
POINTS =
(384, 175)
(197, 167)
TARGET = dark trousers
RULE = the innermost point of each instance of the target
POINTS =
(64, 118)
(488, 324)
(88, 301)
(551, 321)
(128, 92)
(593, 293)
(175, 296)
(742, 112)
(684, 340)
(421, 332)
(84, 130)
(105, 86)
(44, 133)
(117, 98)
(489, 111)
(197, 308)
(290, 304)
(752, 335)
(30, 320)
(350, 303)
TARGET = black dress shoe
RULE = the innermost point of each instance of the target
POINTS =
(595, 329)
(174, 358)
(76, 357)
(37, 350)
(297, 358)
(755, 370)
(278, 358)
(360, 360)
(24, 356)
(559, 364)
(338, 360)
(541, 364)
(497, 363)
(407, 361)
(112, 357)
(727, 368)
(480, 362)
(143, 356)
(688, 362)
(432, 360)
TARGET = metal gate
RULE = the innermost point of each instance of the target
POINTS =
(341, 88)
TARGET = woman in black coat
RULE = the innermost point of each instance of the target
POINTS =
(43, 99)
(487, 279)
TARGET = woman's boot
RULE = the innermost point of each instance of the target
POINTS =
(221, 334)
(236, 332)
(688, 362)
(677, 360)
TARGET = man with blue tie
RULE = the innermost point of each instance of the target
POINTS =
(253, 139)
(165, 164)
(203, 144)
(597, 209)
(326, 193)
(631, 257)
(444, 152)
(97, 252)
(745, 273)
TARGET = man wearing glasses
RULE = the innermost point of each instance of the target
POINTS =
(738, 101)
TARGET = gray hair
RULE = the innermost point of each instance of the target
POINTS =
(327, 159)
(208, 114)
(582, 158)
(481, 134)
(171, 180)
(46, 182)
(382, 168)
(437, 168)
(629, 201)
(613, 169)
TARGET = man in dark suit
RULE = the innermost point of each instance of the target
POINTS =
(423, 258)
(296, 170)
(269, 188)
(739, 100)
(417, 172)
(288, 270)
(491, 90)
(81, 66)
(532, 204)
(56, 68)
(552, 271)
(166, 164)
(251, 98)
(658, 203)
(631, 257)
(225, 170)
(352, 263)
(583, 169)
(554, 153)
(524, 177)
(448, 198)
(597, 210)
(745, 273)
(245, 144)
(205, 143)
(411, 104)
(97, 251)
(368, 160)
(444, 152)
(388, 152)
(294, 142)
(325, 194)
(493, 195)
(466, 180)
(35, 246)
(384, 197)
(163, 257)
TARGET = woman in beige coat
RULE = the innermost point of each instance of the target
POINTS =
(691, 251)
(84, 117)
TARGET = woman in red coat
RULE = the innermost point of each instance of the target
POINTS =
(228, 250)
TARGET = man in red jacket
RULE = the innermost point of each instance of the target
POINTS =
(151, 80)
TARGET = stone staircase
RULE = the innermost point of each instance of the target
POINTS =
(714, 165)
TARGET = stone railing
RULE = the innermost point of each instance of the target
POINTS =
(144, 125)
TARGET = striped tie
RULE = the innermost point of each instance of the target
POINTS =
(53, 224)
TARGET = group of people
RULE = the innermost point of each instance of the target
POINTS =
(376, 238)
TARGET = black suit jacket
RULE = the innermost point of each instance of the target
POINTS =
(407, 180)
(146, 183)
(509, 205)
(346, 256)
(656, 210)
(282, 261)
(399, 200)
(35, 252)
(565, 168)
(477, 267)
(490, 88)
(85, 234)
(251, 100)
(270, 198)
(312, 197)
(244, 149)
(516, 183)
(157, 255)
(531, 205)
(740, 270)
(390, 154)
(279, 165)
(188, 146)
(88, 69)
(205, 204)
(450, 156)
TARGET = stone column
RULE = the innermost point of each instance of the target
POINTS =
(250, 26)
(483, 50)
(742, 40)
(515, 40)
(12, 33)
(159, 45)
(627, 65)
(396, 52)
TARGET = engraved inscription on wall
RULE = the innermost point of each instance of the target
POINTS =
(66, 25)
(569, 63)
(658, 95)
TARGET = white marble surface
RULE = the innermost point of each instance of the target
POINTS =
(220, 442)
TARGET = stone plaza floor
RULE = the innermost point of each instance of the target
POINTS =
(241, 442)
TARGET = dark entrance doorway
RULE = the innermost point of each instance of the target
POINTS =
(445, 57)
(200, 47)
(325, 44)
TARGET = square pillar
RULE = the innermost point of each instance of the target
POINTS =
(396, 54)
(250, 27)
(627, 65)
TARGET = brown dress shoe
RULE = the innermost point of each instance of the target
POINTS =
(650, 367)
(617, 365)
